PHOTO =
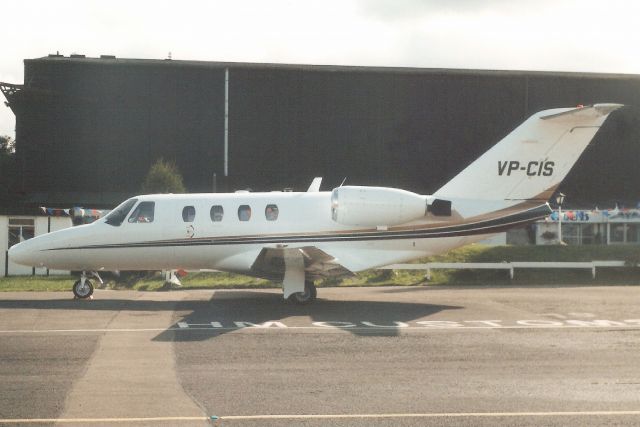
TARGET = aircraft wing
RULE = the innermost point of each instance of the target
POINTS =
(317, 263)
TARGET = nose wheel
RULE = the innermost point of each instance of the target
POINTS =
(83, 288)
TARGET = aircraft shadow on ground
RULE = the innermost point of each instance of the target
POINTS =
(259, 308)
(250, 306)
(103, 305)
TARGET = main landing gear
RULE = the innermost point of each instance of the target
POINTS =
(309, 295)
(83, 288)
(296, 285)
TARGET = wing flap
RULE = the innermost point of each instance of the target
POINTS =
(270, 263)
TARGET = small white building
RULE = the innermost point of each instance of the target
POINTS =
(16, 228)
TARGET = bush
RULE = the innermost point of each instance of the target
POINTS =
(163, 177)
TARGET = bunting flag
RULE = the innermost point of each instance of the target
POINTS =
(88, 213)
(75, 212)
(596, 215)
(54, 211)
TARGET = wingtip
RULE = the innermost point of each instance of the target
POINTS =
(593, 111)
(606, 108)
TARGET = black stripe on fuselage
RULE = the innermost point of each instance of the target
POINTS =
(481, 227)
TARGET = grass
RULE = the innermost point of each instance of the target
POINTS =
(36, 283)
(471, 253)
(155, 282)
(481, 253)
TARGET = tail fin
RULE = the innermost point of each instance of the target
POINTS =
(530, 162)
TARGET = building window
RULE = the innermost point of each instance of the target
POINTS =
(217, 212)
(20, 229)
(244, 213)
(616, 233)
(594, 234)
(633, 233)
(143, 212)
(625, 233)
(271, 212)
(571, 234)
(588, 233)
(188, 214)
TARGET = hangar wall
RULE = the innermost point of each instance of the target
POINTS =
(87, 129)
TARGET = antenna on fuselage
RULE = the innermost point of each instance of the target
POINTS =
(343, 181)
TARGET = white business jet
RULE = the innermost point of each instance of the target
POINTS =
(298, 237)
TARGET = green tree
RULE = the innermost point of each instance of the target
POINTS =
(7, 165)
(7, 146)
(163, 177)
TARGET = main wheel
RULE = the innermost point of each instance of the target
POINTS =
(309, 295)
(82, 291)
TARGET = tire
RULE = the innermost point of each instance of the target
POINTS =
(308, 296)
(82, 292)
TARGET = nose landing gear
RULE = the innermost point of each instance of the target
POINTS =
(83, 288)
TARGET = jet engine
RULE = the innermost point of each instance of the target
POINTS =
(376, 206)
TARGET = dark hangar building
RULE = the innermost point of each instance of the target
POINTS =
(88, 129)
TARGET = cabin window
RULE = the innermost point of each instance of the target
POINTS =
(143, 212)
(271, 212)
(188, 214)
(217, 212)
(20, 229)
(244, 213)
(116, 216)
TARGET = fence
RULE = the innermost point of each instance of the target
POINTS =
(510, 266)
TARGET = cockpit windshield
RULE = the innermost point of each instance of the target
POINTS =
(117, 216)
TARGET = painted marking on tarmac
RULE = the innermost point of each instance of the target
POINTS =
(320, 416)
(589, 315)
(360, 326)
(555, 315)
(418, 325)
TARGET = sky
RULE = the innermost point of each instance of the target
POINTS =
(547, 35)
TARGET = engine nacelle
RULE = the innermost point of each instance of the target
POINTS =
(375, 206)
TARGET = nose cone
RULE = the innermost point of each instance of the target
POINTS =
(23, 253)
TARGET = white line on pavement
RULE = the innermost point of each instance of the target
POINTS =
(434, 415)
(98, 420)
(322, 416)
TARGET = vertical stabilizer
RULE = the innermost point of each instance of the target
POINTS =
(530, 162)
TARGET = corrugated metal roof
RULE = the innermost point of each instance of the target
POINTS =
(109, 60)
